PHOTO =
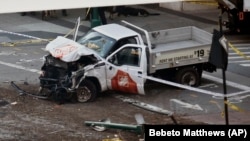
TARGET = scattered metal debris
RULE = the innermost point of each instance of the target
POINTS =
(22, 92)
(100, 128)
(14, 103)
(102, 125)
(147, 106)
(139, 119)
(105, 125)
(144, 105)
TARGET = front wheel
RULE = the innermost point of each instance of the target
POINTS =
(188, 76)
(86, 92)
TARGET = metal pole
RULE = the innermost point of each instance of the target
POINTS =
(224, 78)
(135, 128)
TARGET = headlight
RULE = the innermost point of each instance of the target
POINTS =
(42, 73)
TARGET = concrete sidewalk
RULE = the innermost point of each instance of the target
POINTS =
(34, 25)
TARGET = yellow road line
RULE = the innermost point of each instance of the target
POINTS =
(238, 51)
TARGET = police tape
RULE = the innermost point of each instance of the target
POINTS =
(214, 94)
(30, 40)
(233, 106)
(22, 35)
(230, 105)
(22, 42)
(71, 31)
(230, 96)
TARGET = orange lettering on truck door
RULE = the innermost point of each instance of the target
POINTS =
(123, 82)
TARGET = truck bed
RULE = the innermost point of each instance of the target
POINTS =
(178, 38)
(175, 45)
(178, 47)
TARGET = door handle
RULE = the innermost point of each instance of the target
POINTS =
(139, 72)
(110, 67)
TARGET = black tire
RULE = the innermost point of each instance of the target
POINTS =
(60, 95)
(188, 76)
(87, 92)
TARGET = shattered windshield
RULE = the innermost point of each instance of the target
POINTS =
(97, 42)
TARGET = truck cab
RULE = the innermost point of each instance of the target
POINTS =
(106, 39)
(124, 54)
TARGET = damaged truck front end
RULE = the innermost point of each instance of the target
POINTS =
(74, 69)
(63, 74)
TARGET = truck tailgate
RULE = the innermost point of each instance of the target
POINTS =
(179, 47)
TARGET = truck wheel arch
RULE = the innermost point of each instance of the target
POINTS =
(87, 91)
(188, 76)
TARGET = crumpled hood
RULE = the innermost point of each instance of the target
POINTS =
(67, 50)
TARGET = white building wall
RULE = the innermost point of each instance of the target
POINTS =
(186, 6)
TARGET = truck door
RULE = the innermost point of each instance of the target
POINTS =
(125, 67)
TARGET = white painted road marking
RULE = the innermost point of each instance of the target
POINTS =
(240, 61)
(229, 83)
(187, 105)
(7, 52)
(245, 65)
(20, 67)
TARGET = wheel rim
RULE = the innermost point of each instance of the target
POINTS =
(83, 94)
(188, 79)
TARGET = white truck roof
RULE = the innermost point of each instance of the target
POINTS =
(115, 31)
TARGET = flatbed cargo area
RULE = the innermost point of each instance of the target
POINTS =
(179, 38)
(178, 47)
(174, 45)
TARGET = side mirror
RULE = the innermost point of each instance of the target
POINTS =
(111, 59)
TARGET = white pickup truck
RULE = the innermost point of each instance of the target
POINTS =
(116, 56)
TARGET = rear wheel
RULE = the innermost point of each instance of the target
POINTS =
(188, 76)
(86, 92)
